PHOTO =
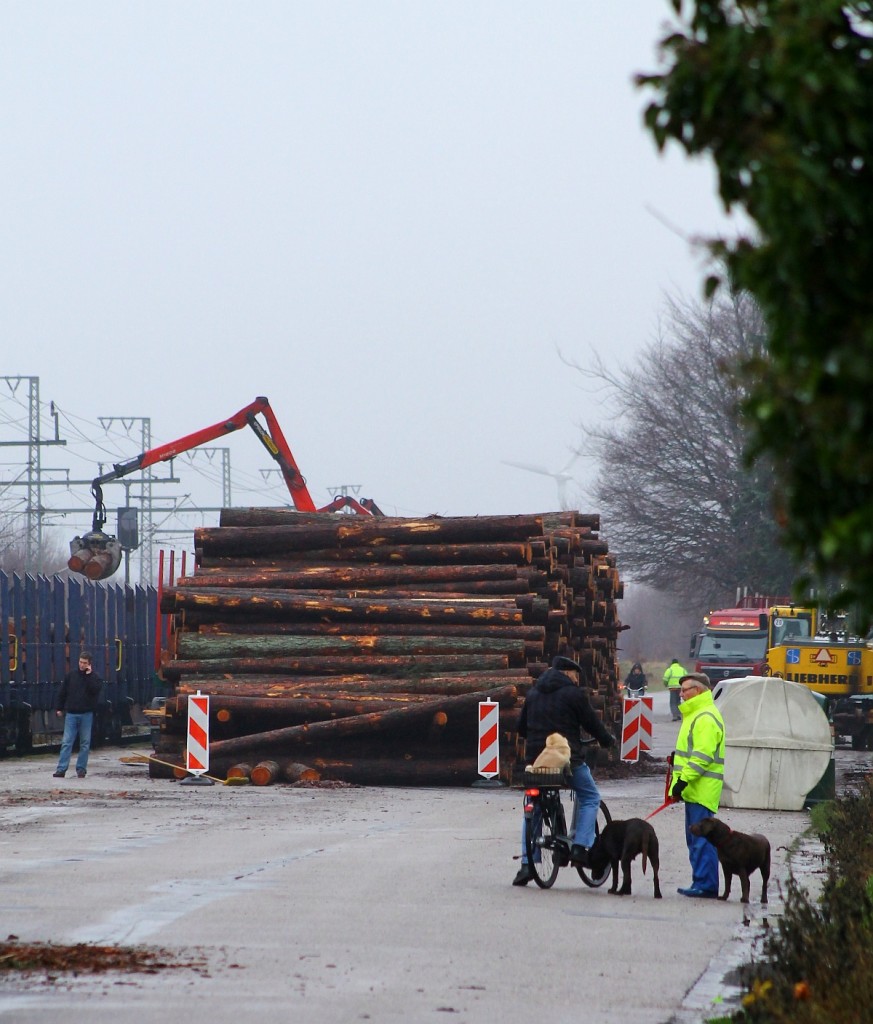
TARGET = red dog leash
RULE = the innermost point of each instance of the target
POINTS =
(668, 800)
(666, 803)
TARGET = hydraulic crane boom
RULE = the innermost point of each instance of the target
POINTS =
(272, 439)
(98, 555)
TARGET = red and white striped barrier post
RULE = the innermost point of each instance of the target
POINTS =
(636, 728)
(197, 751)
(646, 717)
(489, 739)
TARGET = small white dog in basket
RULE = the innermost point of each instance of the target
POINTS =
(556, 755)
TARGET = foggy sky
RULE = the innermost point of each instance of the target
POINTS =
(388, 217)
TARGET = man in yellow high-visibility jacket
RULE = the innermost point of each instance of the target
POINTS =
(698, 776)
(672, 677)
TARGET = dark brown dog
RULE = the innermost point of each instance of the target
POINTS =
(619, 843)
(738, 853)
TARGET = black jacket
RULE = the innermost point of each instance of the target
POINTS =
(79, 692)
(636, 680)
(556, 704)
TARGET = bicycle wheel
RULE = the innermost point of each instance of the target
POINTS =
(545, 823)
(595, 881)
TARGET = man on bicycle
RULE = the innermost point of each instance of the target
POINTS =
(555, 703)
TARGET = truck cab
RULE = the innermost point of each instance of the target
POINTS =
(732, 643)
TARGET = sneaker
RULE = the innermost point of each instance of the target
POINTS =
(524, 875)
(579, 855)
(700, 894)
(81, 773)
(59, 775)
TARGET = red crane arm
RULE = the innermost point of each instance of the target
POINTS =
(272, 439)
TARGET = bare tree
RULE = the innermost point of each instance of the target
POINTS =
(13, 550)
(660, 628)
(685, 514)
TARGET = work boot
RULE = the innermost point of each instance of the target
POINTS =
(579, 855)
(59, 775)
(524, 875)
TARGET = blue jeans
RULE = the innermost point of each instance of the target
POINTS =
(76, 725)
(587, 806)
(702, 854)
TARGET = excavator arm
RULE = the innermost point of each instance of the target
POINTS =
(98, 555)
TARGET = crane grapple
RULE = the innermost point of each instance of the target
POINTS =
(95, 555)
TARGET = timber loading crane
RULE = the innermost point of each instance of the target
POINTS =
(97, 555)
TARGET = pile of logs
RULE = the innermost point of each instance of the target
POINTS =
(358, 648)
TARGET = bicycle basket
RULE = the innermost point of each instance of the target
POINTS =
(550, 777)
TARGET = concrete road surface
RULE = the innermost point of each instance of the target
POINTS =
(350, 904)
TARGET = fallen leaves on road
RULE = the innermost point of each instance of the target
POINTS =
(85, 958)
(323, 784)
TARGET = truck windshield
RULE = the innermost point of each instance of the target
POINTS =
(785, 631)
(728, 647)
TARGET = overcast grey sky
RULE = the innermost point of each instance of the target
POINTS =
(388, 217)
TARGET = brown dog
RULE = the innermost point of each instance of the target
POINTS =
(738, 853)
(555, 754)
(619, 843)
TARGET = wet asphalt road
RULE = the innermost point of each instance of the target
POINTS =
(338, 905)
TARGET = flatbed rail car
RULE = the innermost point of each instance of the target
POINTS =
(46, 621)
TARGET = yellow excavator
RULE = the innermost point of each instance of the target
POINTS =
(837, 665)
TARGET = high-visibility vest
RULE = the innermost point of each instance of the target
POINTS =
(673, 674)
(699, 756)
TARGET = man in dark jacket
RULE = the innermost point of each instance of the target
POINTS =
(78, 700)
(556, 704)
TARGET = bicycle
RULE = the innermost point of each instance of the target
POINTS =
(547, 841)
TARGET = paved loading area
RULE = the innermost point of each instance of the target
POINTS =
(346, 904)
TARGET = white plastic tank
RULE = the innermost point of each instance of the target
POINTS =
(778, 742)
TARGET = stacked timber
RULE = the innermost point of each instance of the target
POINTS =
(358, 648)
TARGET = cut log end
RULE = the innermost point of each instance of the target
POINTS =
(265, 773)
(295, 772)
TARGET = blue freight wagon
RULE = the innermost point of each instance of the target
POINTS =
(45, 621)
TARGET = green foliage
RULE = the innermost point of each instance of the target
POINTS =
(780, 94)
(820, 816)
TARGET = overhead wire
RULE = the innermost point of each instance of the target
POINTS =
(87, 439)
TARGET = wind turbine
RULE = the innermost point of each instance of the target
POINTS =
(561, 476)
